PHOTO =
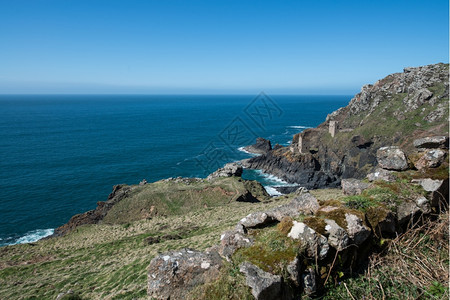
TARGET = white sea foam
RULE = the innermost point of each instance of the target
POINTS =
(276, 181)
(242, 149)
(299, 127)
(33, 236)
(272, 191)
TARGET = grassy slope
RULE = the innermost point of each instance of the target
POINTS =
(109, 261)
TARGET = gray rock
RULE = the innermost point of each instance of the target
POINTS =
(438, 190)
(305, 203)
(172, 275)
(256, 219)
(309, 282)
(381, 220)
(261, 146)
(381, 174)
(230, 169)
(70, 294)
(338, 237)
(265, 286)
(424, 204)
(315, 243)
(143, 182)
(353, 186)
(432, 142)
(406, 212)
(357, 231)
(293, 269)
(392, 158)
(232, 240)
(430, 159)
(417, 98)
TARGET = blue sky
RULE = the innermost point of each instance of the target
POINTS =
(214, 47)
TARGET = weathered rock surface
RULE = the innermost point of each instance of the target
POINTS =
(309, 282)
(381, 174)
(232, 240)
(438, 190)
(256, 219)
(430, 159)
(432, 142)
(392, 158)
(357, 231)
(353, 186)
(261, 146)
(230, 169)
(265, 286)
(174, 274)
(316, 244)
(406, 212)
(337, 236)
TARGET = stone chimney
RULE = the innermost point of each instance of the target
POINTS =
(332, 129)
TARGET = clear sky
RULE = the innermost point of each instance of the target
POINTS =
(214, 47)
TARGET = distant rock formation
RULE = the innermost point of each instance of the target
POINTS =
(392, 112)
(262, 146)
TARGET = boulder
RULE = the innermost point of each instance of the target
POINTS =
(357, 231)
(423, 204)
(337, 236)
(392, 158)
(172, 275)
(432, 142)
(256, 219)
(381, 174)
(261, 146)
(232, 240)
(305, 203)
(230, 169)
(264, 286)
(430, 159)
(353, 186)
(437, 189)
(315, 243)
(406, 212)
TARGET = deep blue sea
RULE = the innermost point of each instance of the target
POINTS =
(61, 154)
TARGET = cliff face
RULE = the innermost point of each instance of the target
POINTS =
(393, 111)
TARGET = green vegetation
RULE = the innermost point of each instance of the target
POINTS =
(109, 261)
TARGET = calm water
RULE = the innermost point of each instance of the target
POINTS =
(59, 155)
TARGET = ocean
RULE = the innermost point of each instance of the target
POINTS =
(60, 154)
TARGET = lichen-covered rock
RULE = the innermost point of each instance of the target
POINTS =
(357, 231)
(432, 142)
(256, 219)
(337, 236)
(309, 281)
(305, 203)
(392, 158)
(232, 240)
(315, 243)
(424, 204)
(381, 174)
(230, 169)
(352, 186)
(172, 275)
(438, 190)
(430, 159)
(264, 286)
(293, 269)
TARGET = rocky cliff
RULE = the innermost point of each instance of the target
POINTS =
(392, 111)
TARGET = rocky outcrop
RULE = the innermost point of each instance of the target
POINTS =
(430, 159)
(174, 274)
(95, 216)
(230, 169)
(392, 158)
(432, 142)
(379, 116)
(261, 146)
(265, 286)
